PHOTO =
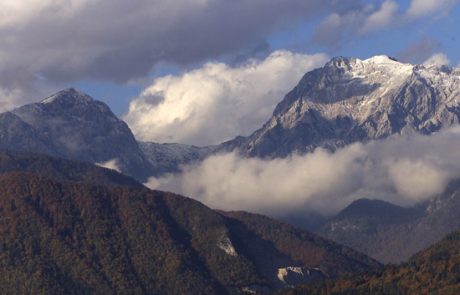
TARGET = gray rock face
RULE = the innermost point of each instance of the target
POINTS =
(351, 100)
(72, 125)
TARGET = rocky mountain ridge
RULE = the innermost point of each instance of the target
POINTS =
(350, 100)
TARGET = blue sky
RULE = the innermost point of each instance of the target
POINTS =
(120, 51)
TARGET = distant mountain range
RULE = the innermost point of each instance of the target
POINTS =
(390, 233)
(347, 100)
(74, 228)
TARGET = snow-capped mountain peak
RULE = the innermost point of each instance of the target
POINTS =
(73, 125)
(68, 95)
(350, 100)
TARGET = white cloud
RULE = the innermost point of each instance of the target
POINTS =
(437, 59)
(401, 170)
(420, 8)
(19, 13)
(217, 102)
(381, 18)
(8, 98)
(417, 179)
(110, 164)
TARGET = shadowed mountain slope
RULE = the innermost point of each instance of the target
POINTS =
(62, 169)
(390, 233)
(77, 238)
(432, 271)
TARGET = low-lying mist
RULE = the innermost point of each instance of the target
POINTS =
(400, 170)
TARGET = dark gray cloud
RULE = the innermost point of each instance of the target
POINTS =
(339, 28)
(119, 40)
(419, 51)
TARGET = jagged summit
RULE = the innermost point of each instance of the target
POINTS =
(340, 61)
(375, 66)
(382, 59)
(350, 63)
(73, 125)
(66, 105)
(351, 100)
(383, 63)
(70, 95)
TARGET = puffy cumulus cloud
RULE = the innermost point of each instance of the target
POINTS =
(60, 41)
(400, 170)
(437, 59)
(216, 102)
(230, 182)
(380, 18)
(420, 8)
(417, 179)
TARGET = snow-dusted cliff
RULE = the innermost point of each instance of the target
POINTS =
(351, 100)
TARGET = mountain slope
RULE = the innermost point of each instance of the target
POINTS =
(351, 100)
(61, 169)
(432, 271)
(391, 233)
(309, 249)
(74, 238)
(72, 125)
(17, 135)
(376, 228)
(169, 157)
